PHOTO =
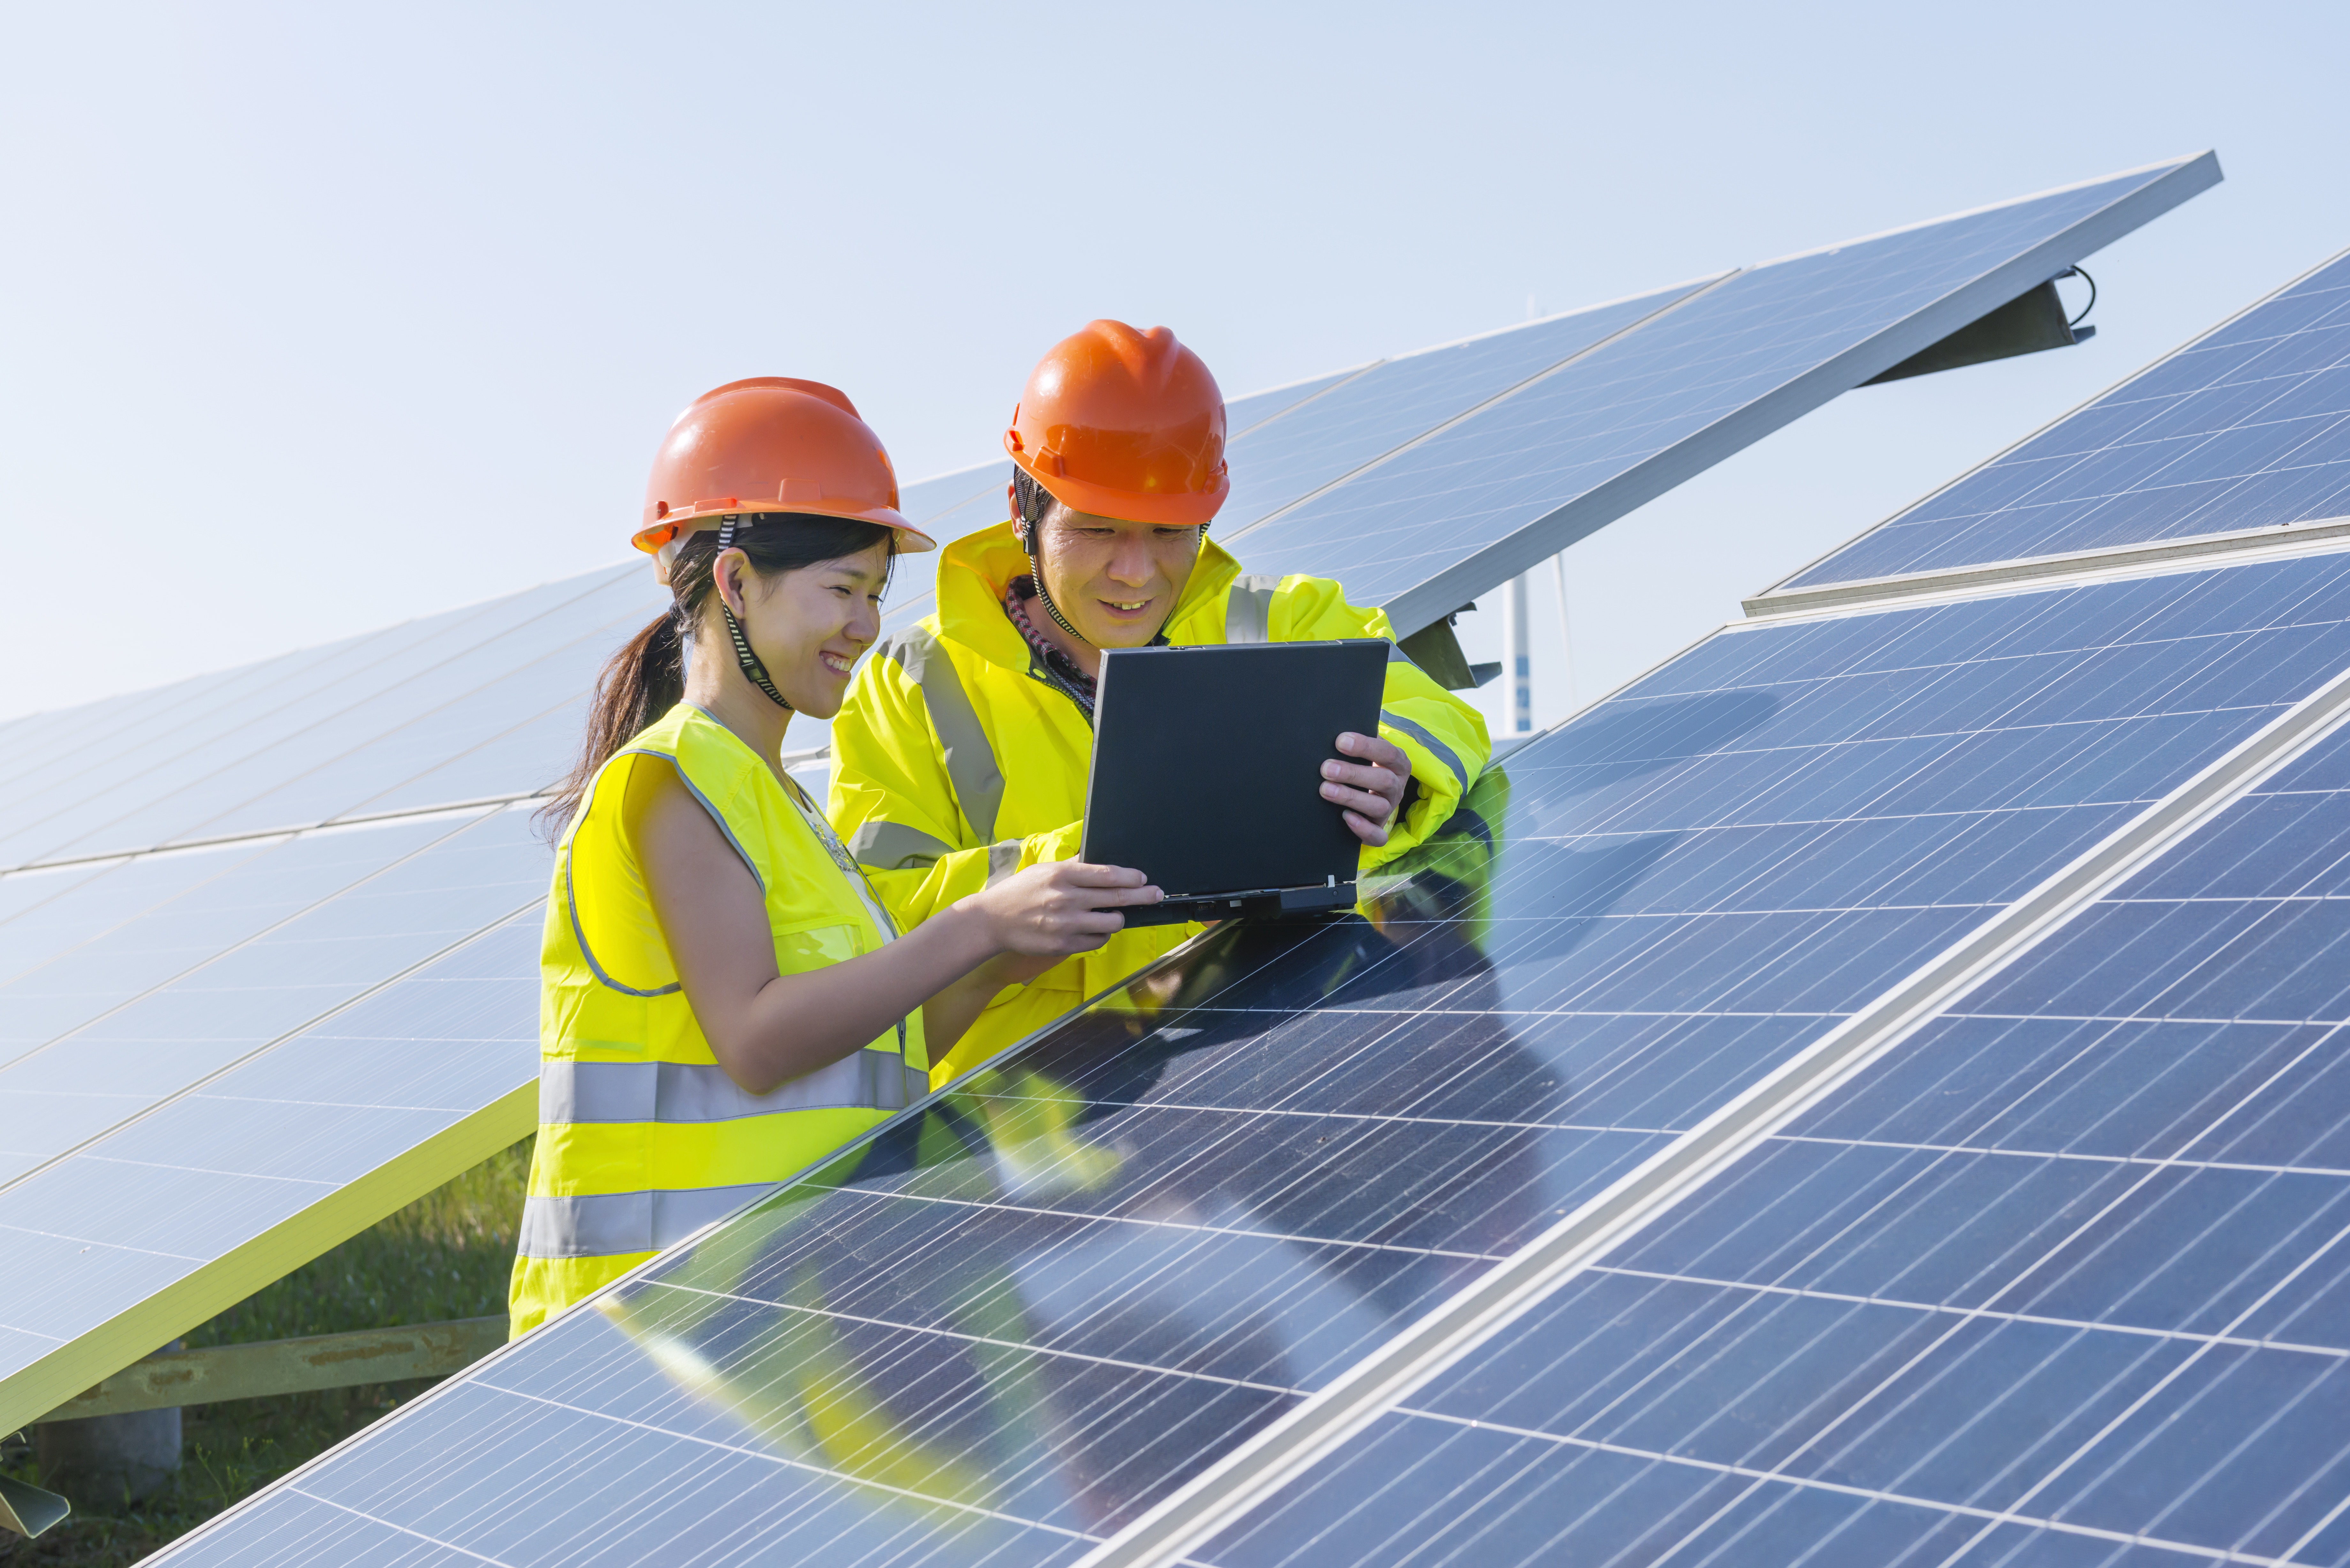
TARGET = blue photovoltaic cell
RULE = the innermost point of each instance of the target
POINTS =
(467, 744)
(275, 730)
(135, 1017)
(233, 767)
(1407, 523)
(1017, 1318)
(145, 1206)
(2068, 1268)
(47, 912)
(137, 747)
(1244, 414)
(1402, 400)
(2246, 427)
(88, 953)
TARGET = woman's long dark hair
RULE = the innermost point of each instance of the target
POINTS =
(646, 677)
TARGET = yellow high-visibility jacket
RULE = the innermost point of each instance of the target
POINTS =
(956, 763)
(642, 1137)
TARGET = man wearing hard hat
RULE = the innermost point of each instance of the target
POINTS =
(960, 756)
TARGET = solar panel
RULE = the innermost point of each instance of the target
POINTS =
(185, 1012)
(1638, 413)
(202, 1018)
(2244, 431)
(1020, 1315)
(2063, 1275)
(167, 1220)
(201, 991)
(219, 779)
(1402, 400)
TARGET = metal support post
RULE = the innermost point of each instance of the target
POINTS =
(1518, 658)
(1566, 635)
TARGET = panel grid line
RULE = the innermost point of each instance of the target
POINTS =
(2082, 407)
(1256, 1468)
(1992, 1517)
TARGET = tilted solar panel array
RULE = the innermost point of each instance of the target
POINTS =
(2246, 430)
(2060, 1278)
(235, 901)
(1713, 370)
(1025, 1314)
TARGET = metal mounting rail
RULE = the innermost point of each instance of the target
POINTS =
(1876, 593)
(306, 1366)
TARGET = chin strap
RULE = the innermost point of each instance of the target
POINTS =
(1031, 516)
(753, 670)
(1034, 498)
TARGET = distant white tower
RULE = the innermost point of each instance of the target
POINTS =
(1517, 656)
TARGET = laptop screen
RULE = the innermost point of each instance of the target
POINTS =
(1207, 763)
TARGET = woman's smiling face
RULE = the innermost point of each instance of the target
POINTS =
(809, 626)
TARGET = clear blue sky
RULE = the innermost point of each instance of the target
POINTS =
(320, 318)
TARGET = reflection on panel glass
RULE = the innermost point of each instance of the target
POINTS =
(1636, 397)
(2068, 1268)
(2247, 428)
(1022, 1314)
(140, 1209)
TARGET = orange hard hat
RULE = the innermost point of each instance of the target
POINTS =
(1122, 423)
(769, 445)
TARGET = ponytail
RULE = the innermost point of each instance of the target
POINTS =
(639, 683)
(646, 677)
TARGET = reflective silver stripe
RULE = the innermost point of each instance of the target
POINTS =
(1002, 860)
(575, 1092)
(716, 815)
(1442, 752)
(580, 935)
(1248, 614)
(609, 1224)
(971, 760)
(892, 847)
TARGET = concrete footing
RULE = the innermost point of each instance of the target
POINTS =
(101, 1462)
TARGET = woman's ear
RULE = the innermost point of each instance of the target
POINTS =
(726, 577)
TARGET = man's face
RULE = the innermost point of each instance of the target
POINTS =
(1116, 581)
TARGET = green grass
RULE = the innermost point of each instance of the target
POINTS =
(447, 1255)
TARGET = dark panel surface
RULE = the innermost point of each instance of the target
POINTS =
(1025, 1311)
(2068, 1268)
(2246, 427)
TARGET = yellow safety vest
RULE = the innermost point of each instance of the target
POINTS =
(642, 1137)
(957, 763)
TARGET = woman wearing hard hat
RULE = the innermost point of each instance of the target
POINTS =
(724, 999)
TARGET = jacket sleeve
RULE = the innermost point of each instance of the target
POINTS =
(894, 805)
(1445, 738)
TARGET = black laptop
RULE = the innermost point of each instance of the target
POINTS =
(1205, 772)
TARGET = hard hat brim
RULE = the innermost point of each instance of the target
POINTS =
(1184, 509)
(911, 541)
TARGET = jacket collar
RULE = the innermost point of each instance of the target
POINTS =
(976, 571)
